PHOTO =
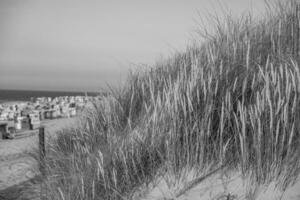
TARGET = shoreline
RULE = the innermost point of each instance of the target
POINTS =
(11, 102)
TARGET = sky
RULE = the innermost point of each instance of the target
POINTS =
(85, 45)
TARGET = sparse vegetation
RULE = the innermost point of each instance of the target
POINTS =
(231, 102)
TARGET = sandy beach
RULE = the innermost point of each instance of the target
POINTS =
(16, 166)
(11, 102)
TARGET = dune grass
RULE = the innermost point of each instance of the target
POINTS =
(231, 101)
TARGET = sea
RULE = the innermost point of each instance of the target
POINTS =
(26, 95)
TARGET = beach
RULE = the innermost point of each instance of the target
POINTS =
(16, 163)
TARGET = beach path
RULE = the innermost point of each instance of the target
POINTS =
(16, 166)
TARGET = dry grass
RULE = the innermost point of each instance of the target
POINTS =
(233, 100)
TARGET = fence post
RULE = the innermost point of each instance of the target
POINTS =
(42, 151)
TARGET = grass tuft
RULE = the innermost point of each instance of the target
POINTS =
(232, 101)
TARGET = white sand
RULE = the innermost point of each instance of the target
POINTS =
(217, 187)
(15, 165)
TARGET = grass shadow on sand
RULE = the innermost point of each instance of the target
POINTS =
(27, 190)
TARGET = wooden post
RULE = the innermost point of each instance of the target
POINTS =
(42, 150)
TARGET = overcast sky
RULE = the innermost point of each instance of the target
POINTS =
(84, 45)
